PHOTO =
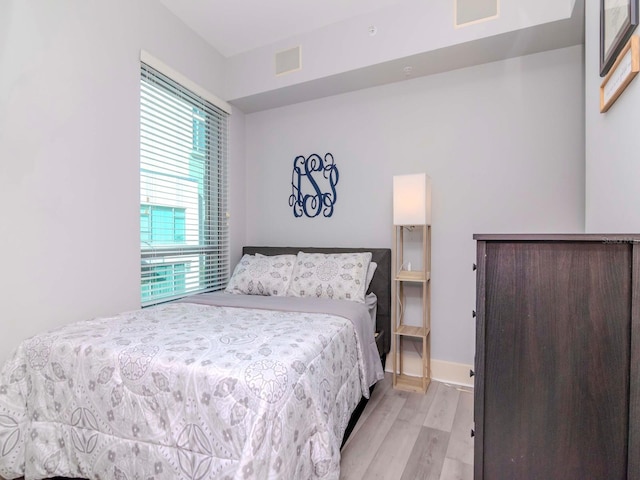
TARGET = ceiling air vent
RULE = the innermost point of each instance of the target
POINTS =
(473, 11)
(288, 61)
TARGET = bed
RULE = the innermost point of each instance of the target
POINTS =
(211, 386)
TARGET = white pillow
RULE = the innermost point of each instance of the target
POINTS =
(341, 276)
(370, 271)
(262, 275)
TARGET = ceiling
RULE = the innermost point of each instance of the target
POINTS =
(233, 27)
(236, 26)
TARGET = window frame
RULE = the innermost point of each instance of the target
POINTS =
(207, 259)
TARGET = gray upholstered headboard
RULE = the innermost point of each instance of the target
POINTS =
(380, 285)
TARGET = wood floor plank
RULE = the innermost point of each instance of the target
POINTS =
(356, 456)
(455, 470)
(417, 406)
(428, 454)
(443, 409)
(461, 443)
(379, 391)
(393, 454)
(404, 449)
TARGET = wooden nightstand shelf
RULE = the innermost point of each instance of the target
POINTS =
(401, 330)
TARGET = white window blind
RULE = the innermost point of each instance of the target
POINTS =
(184, 239)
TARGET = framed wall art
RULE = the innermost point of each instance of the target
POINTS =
(624, 69)
(618, 20)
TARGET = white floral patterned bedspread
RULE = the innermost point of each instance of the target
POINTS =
(182, 391)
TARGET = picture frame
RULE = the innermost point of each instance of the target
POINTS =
(623, 71)
(618, 20)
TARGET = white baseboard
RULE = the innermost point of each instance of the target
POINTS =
(441, 370)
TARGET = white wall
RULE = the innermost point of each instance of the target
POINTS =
(503, 143)
(69, 153)
(237, 186)
(612, 159)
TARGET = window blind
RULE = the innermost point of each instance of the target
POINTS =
(184, 235)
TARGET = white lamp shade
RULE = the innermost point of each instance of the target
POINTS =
(412, 199)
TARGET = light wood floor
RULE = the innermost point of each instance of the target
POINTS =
(411, 436)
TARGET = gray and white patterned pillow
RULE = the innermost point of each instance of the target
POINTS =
(262, 275)
(341, 276)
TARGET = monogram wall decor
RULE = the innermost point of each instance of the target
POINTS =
(313, 185)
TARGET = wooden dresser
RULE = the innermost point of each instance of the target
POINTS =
(557, 385)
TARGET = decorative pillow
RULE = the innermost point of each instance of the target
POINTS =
(262, 275)
(341, 276)
(370, 272)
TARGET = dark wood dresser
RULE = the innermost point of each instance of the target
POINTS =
(557, 385)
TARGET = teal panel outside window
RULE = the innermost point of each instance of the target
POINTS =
(145, 225)
(163, 280)
(162, 225)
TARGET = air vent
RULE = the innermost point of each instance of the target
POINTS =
(288, 61)
(473, 11)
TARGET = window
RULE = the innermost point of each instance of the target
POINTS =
(183, 190)
(163, 280)
(162, 224)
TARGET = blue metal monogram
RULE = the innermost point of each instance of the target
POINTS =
(313, 185)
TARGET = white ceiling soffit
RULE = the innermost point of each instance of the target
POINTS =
(540, 38)
(236, 26)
